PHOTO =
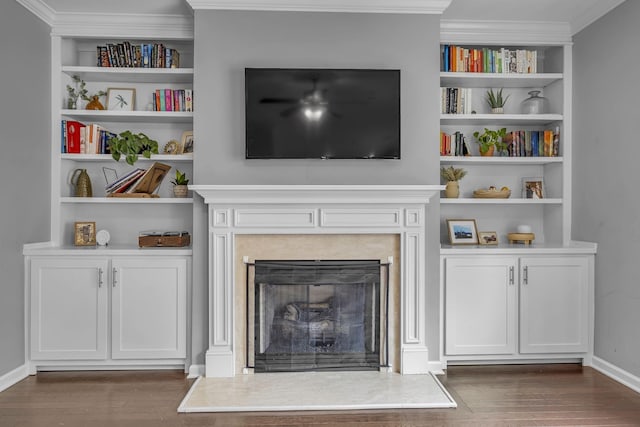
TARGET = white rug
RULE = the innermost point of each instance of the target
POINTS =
(311, 391)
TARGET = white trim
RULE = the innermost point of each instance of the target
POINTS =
(196, 371)
(616, 373)
(40, 9)
(358, 6)
(13, 377)
(123, 25)
(595, 12)
(496, 32)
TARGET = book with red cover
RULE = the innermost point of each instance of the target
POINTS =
(73, 136)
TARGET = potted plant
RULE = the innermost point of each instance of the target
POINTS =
(79, 91)
(180, 184)
(496, 101)
(131, 145)
(489, 140)
(452, 176)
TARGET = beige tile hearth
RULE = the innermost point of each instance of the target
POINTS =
(296, 391)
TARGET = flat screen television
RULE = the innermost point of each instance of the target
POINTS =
(322, 113)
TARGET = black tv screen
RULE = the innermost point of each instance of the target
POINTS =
(322, 113)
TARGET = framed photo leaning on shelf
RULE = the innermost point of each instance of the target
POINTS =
(121, 99)
(533, 188)
(186, 144)
(84, 233)
(487, 237)
(462, 231)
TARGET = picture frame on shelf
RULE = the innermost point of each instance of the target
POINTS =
(186, 143)
(462, 231)
(487, 238)
(84, 233)
(533, 188)
(121, 99)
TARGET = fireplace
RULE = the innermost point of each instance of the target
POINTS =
(310, 212)
(317, 315)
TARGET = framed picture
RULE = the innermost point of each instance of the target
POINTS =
(462, 231)
(121, 99)
(186, 145)
(85, 233)
(487, 237)
(533, 188)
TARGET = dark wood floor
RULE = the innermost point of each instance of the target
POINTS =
(534, 395)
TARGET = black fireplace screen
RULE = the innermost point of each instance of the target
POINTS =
(317, 315)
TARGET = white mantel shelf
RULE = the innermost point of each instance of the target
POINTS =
(323, 194)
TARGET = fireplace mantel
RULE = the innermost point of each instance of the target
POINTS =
(316, 209)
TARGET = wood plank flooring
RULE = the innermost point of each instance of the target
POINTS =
(506, 395)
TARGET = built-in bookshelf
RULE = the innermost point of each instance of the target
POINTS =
(158, 74)
(538, 144)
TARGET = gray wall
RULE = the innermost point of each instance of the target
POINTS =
(606, 205)
(228, 41)
(24, 163)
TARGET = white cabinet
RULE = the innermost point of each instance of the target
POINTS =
(480, 305)
(110, 310)
(517, 307)
(148, 308)
(69, 301)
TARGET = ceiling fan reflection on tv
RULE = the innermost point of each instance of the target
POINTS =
(313, 103)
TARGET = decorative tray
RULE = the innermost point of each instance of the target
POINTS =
(492, 193)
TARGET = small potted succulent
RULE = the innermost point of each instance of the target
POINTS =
(452, 175)
(180, 184)
(496, 101)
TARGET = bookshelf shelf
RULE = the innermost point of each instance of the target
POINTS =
(510, 201)
(477, 160)
(131, 75)
(127, 200)
(107, 157)
(500, 119)
(481, 80)
(129, 116)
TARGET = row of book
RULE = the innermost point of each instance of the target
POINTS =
(146, 55)
(173, 100)
(521, 143)
(488, 60)
(139, 180)
(455, 100)
(80, 138)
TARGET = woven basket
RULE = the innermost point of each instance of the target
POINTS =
(491, 194)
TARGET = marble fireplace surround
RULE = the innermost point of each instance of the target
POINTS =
(339, 210)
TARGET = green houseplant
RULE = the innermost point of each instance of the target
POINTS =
(489, 140)
(452, 176)
(496, 100)
(180, 184)
(131, 145)
(79, 91)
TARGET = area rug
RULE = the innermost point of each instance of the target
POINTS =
(312, 391)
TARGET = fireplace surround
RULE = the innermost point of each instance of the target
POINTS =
(240, 211)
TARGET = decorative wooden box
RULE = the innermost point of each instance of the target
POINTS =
(158, 239)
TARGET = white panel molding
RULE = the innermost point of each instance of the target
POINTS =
(616, 373)
(499, 32)
(357, 6)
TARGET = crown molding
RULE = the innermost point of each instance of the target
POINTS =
(501, 32)
(363, 6)
(85, 24)
(595, 12)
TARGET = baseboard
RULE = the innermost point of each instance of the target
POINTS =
(437, 367)
(196, 371)
(13, 377)
(616, 373)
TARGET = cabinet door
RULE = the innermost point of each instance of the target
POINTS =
(68, 308)
(480, 305)
(149, 308)
(554, 305)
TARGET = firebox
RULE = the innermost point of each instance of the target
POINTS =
(319, 315)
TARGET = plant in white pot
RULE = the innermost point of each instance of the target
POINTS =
(180, 184)
(496, 101)
(452, 175)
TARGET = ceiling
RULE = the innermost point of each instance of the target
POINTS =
(577, 14)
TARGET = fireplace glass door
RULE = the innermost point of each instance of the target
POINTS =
(317, 315)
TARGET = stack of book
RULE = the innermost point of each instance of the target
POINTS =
(80, 138)
(487, 60)
(138, 182)
(455, 100)
(173, 100)
(453, 145)
(146, 55)
(533, 143)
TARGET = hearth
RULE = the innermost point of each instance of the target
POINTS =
(318, 315)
